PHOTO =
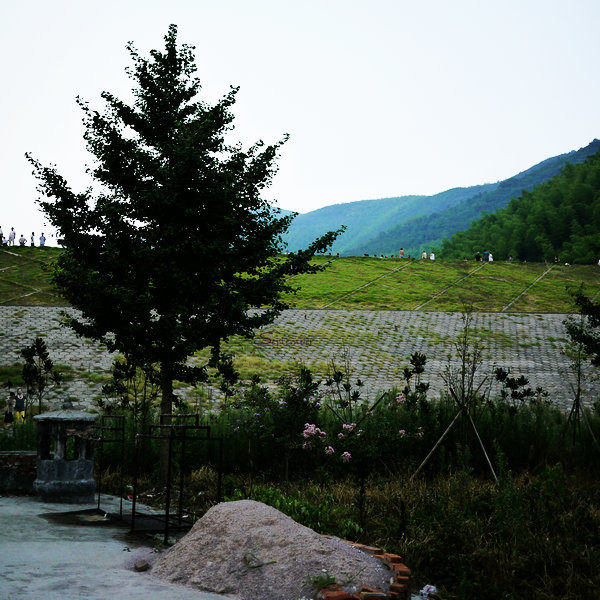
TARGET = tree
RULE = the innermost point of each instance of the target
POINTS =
(170, 254)
(38, 371)
(584, 333)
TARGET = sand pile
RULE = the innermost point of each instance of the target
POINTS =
(252, 551)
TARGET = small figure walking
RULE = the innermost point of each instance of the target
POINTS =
(32, 239)
(42, 240)
(11, 236)
(8, 411)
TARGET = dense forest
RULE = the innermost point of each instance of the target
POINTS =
(560, 217)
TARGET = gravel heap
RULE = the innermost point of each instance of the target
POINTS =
(251, 551)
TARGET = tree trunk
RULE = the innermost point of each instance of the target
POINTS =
(166, 409)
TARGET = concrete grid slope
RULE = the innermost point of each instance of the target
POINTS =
(377, 344)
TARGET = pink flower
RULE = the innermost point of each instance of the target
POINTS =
(311, 429)
(400, 399)
(329, 450)
(346, 456)
(419, 434)
(349, 426)
(402, 432)
(340, 435)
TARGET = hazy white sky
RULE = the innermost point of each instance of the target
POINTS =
(380, 97)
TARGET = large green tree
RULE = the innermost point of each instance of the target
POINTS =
(177, 244)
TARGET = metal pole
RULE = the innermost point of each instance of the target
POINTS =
(122, 420)
(100, 453)
(168, 498)
(220, 468)
(135, 478)
(181, 471)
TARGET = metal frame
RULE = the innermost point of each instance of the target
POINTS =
(118, 427)
(174, 432)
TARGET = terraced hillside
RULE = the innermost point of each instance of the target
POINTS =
(374, 312)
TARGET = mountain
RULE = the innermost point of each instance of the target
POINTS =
(559, 218)
(385, 225)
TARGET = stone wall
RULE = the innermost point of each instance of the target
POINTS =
(377, 344)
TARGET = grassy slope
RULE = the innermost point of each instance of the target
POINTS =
(364, 283)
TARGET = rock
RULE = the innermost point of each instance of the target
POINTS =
(141, 565)
(252, 551)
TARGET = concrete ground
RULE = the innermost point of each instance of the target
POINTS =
(43, 560)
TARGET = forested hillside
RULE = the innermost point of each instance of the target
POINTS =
(425, 232)
(419, 222)
(560, 217)
(365, 219)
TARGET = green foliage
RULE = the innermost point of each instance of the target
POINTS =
(322, 580)
(373, 283)
(533, 536)
(20, 436)
(168, 258)
(584, 333)
(312, 507)
(38, 371)
(454, 210)
(560, 217)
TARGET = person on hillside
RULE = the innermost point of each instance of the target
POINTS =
(431, 256)
(424, 254)
(8, 410)
(490, 257)
(486, 256)
(478, 257)
(32, 239)
(22, 240)
(20, 405)
(401, 252)
(1, 234)
(11, 236)
(510, 258)
(42, 240)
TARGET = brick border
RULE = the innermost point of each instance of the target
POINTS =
(399, 589)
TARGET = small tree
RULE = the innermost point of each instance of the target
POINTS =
(583, 344)
(585, 332)
(177, 246)
(38, 371)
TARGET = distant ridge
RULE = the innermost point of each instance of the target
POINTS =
(415, 223)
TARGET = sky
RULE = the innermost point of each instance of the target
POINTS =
(381, 98)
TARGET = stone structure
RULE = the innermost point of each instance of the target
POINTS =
(65, 459)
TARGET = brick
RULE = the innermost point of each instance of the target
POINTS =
(392, 558)
(333, 595)
(401, 569)
(372, 549)
(399, 587)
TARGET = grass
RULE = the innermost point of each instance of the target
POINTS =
(25, 277)
(363, 283)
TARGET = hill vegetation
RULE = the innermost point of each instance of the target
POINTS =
(560, 217)
(420, 222)
(365, 283)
